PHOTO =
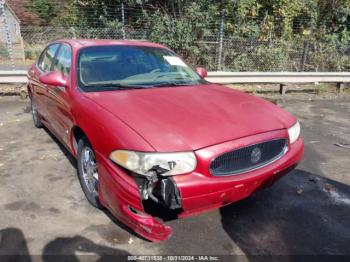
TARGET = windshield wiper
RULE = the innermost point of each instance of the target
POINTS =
(113, 85)
(165, 84)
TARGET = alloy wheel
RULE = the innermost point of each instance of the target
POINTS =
(89, 170)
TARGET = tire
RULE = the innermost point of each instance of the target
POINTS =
(35, 114)
(87, 172)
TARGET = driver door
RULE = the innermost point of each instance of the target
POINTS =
(59, 99)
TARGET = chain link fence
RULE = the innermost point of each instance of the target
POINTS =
(220, 52)
(241, 54)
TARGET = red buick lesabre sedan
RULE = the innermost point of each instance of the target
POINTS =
(151, 137)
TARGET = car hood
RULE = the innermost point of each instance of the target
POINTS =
(192, 117)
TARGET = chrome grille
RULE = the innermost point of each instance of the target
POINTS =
(248, 158)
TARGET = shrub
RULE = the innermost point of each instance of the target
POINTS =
(328, 57)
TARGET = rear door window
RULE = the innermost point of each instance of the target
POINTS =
(47, 57)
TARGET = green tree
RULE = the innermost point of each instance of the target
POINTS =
(46, 10)
(184, 33)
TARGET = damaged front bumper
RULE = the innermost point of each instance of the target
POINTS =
(127, 196)
(119, 193)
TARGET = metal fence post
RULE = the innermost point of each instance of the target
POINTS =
(305, 53)
(123, 20)
(221, 42)
(73, 33)
(7, 33)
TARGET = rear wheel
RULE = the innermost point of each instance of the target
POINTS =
(87, 172)
(35, 114)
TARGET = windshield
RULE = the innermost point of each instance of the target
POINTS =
(124, 67)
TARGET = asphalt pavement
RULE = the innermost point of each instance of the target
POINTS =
(307, 212)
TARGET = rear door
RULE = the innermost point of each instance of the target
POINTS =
(58, 103)
(43, 66)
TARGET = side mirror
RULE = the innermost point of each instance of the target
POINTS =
(201, 71)
(55, 78)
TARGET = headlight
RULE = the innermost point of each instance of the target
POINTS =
(294, 132)
(170, 163)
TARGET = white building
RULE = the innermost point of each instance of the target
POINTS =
(14, 32)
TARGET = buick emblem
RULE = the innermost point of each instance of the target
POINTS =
(255, 156)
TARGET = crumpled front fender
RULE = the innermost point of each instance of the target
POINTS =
(118, 192)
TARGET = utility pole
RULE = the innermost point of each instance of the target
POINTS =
(123, 20)
(7, 32)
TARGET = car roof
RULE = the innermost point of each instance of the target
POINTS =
(79, 43)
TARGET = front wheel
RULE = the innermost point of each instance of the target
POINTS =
(87, 172)
(35, 114)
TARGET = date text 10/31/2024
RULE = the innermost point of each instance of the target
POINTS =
(173, 258)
